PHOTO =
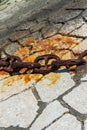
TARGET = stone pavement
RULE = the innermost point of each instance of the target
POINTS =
(57, 101)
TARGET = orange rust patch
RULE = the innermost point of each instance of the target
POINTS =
(53, 78)
(57, 42)
(9, 81)
(36, 76)
(29, 40)
(22, 52)
(26, 78)
(66, 55)
(32, 77)
(3, 73)
(32, 57)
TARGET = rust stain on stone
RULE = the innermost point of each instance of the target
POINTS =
(22, 52)
(53, 78)
(30, 40)
(9, 81)
(27, 41)
(56, 44)
(18, 81)
(3, 73)
(27, 78)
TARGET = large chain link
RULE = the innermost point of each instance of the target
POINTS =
(13, 64)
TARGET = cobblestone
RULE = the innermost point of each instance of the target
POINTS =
(79, 100)
(84, 78)
(3, 43)
(18, 110)
(58, 100)
(67, 15)
(85, 15)
(49, 89)
(50, 30)
(18, 35)
(37, 36)
(37, 27)
(82, 46)
(67, 122)
(86, 125)
(72, 25)
(80, 31)
(16, 85)
(78, 5)
(25, 26)
(27, 41)
(12, 47)
(50, 113)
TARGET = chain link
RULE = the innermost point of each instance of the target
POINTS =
(13, 64)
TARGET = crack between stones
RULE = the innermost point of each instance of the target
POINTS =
(83, 81)
(32, 88)
(13, 128)
(76, 29)
(74, 36)
(35, 93)
(63, 22)
(77, 79)
(42, 106)
(14, 42)
(56, 120)
(80, 117)
(82, 125)
(65, 93)
(82, 9)
(74, 17)
(2, 100)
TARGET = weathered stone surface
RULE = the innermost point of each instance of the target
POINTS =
(86, 125)
(27, 41)
(67, 122)
(76, 4)
(77, 98)
(71, 25)
(16, 84)
(8, 8)
(3, 43)
(18, 106)
(82, 31)
(85, 14)
(53, 85)
(26, 25)
(19, 110)
(18, 35)
(51, 112)
(12, 47)
(38, 26)
(67, 15)
(82, 46)
(14, 12)
(50, 30)
(84, 78)
(3, 28)
(37, 36)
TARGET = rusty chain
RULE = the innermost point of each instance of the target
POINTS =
(13, 64)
